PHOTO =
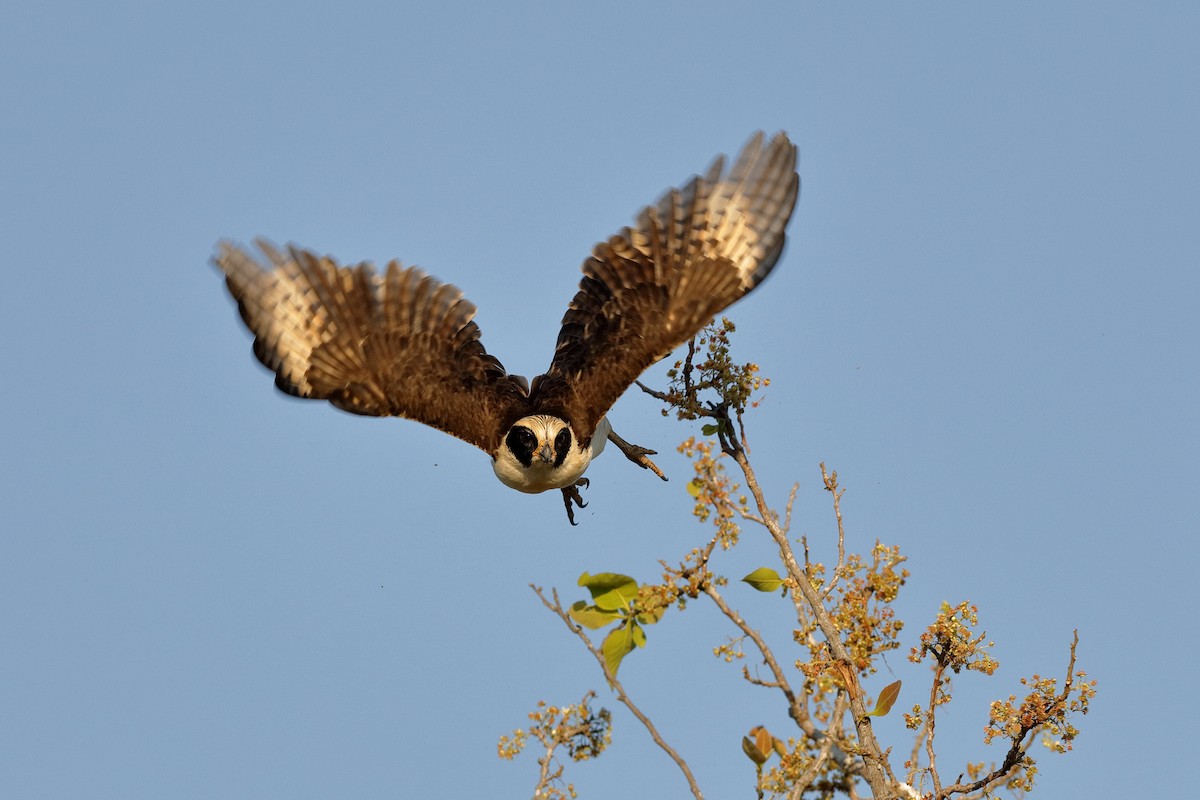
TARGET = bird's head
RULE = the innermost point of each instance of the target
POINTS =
(539, 452)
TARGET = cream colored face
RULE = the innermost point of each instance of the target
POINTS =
(540, 440)
(539, 452)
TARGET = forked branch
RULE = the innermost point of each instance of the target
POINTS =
(556, 607)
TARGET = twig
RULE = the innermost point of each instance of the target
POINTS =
(930, 726)
(871, 752)
(687, 367)
(557, 608)
(914, 758)
(1016, 753)
(787, 514)
(544, 776)
(657, 395)
(814, 769)
(554, 736)
(831, 485)
(750, 516)
(796, 709)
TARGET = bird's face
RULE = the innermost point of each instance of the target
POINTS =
(540, 452)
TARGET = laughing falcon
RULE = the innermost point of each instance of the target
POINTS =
(401, 343)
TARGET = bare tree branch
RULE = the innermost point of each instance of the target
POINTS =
(557, 608)
(827, 744)
(872, 754)
(796, 708)
(1020, 742)
(831, 485)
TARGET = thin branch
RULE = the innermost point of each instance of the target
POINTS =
(701, 566)
(814, 769)
(938, 672)
(750, 516)
(544, 777)
(557, 608)
(787, 514)
(831, 484)
(796, 708)
(914, 759)
(687, 367)
(872, 753)
(657, 395)
(1021, 742)
(757, 681)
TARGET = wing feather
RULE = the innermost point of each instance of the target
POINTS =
(397, 344)
(650, 288)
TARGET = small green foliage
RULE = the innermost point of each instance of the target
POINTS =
(610, 590)
(764, 579)
(591, 616)
(619, 643)
(617, 598)
(652, 611)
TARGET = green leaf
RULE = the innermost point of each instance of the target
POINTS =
(637, 634)
(592, 617)
(764, 579)
(709, 430)
(610, 590)
(652, 615)
(617, 645)
(694, 487)
(887, 698)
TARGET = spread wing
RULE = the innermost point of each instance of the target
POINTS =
(652, 287)
(397, 344)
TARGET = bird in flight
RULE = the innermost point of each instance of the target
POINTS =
(399, 342)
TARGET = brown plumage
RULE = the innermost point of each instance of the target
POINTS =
(398, 344)
(403, 344)
(649, 289)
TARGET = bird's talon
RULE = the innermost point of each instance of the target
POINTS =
(571, 495)
(636, 454)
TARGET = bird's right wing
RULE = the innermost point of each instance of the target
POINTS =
(397, 344)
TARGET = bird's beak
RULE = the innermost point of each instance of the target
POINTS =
(546, 454)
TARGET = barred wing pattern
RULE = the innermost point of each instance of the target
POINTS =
(652, 287)
(397, 344)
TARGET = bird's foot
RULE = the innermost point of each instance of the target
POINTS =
(571, 495)
(636, 454)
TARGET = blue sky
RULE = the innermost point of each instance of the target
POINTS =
(986, 321)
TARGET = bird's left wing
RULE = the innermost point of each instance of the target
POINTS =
(394, 344)
(652, 287)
